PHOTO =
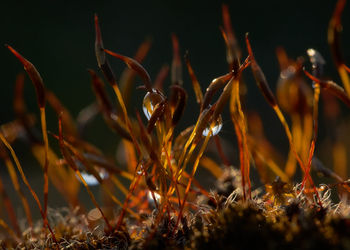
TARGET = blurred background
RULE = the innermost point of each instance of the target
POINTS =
(58, 38)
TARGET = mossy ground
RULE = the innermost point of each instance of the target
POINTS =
(225, 223)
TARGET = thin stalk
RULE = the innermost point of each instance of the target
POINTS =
(71, 163)
(222, 155)
(317, 90)
(46, 145)
(242, 123)
(173, 178)
(9, 230)
(132, 187)
(296, 132)
(270, 98)
(9, 209)
(126, 117)
(92, 197)
(201, 151)
(24, 178)
(15, 182)
(273, 166)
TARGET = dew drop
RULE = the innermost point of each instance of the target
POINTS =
(140, 171)
(156, 196)
(215, 128)
(150, 100)
(91, 180)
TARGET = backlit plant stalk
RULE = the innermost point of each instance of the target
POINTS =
(40, 91)
(270, 98)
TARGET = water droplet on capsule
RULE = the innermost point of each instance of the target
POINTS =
(215, 127)
(156, 196)
(150, 100)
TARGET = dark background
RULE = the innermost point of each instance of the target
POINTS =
(58, 38)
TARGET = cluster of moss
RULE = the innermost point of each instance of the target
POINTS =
(225, 222)
(247, 227)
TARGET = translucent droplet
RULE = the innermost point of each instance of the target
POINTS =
(140, 170)
(91, 180)
(150, 100)
(156, 196)
(215, 127)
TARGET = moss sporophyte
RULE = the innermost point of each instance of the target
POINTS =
(151, 196)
